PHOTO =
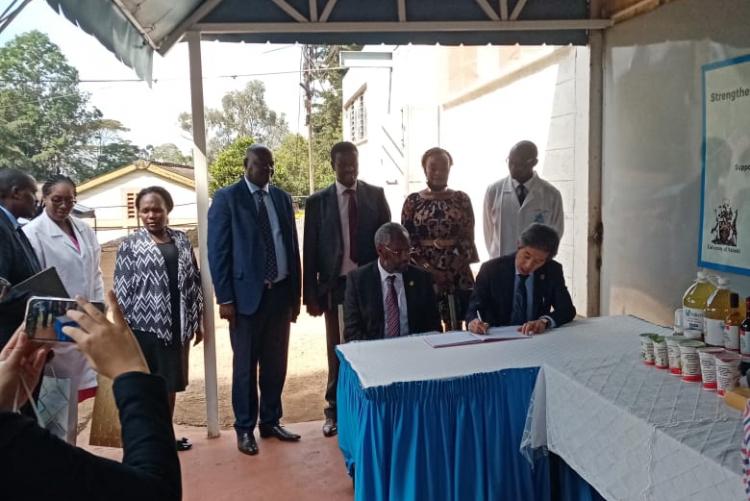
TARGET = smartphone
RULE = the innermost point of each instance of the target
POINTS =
(46, 317)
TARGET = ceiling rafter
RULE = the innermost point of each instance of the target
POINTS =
(293, 13)
(402, 11)
(487, 8)
(504, 10)
(517, 9)
(327, 10)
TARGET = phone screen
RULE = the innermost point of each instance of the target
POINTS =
(45, 318)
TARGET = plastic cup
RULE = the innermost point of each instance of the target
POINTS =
(693, 334)
(707, 357)
(661, 354)
(673, 353)
(689, 360)
(727, 372)
(647, 348)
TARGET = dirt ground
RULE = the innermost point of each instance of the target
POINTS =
(305, 383)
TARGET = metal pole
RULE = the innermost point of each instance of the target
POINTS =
(201, 190)
(595, 228)
(307, 53)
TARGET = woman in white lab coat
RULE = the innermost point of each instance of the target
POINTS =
(70, 245)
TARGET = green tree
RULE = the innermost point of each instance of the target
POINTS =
(44, 116)
(228, 166)
(243, 113)
(168, 152)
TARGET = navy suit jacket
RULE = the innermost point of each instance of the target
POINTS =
(236, 255)
(494, 288)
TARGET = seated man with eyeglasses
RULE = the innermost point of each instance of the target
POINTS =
(388, 297)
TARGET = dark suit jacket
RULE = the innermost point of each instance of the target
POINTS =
(15, 266)
(364, 315)
(323, 246)
(236, 254)
(493, 292)
(37, 465)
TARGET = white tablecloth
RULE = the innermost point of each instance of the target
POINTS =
(632, 431)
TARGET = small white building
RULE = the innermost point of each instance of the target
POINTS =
(112, 196)
(476, 102)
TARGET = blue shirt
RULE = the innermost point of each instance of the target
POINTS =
(530, 299)
(282, 266)
(11, 217)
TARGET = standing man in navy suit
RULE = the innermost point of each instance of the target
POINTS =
(254, 258)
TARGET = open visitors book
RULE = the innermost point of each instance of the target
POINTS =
(459, 338)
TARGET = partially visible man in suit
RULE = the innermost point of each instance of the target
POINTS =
(254, 259)
(17, 259)
(389, 297)
(340, 226)
(526, 288)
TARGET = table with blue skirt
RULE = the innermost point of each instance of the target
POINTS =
(467, 422)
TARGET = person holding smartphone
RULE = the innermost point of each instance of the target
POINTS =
(157, 283)
(38, 465)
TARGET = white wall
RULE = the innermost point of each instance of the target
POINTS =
(652, 150)
(109, 201)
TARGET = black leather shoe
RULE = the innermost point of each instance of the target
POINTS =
(246, 443)
(329, 428)
(278, 431)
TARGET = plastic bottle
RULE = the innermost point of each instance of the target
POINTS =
(694, 302)
(717, 310)
(732, 324)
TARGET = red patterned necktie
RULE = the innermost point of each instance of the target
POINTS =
(392, 315)
(352, 224)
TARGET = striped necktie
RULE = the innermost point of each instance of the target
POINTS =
(392, 314)
(519, 314)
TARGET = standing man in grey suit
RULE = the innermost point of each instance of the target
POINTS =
(17, 258)
(340, 226)
(254, 259)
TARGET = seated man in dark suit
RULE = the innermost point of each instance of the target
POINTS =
(388, 297)
(525, 288)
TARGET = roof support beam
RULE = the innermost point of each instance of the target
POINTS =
(314, 10)
(202, 11)
(327, 10)
(402, 11)
(407, 26)
(135, 22)
(488, 10)
(293, 13)
(517, 9)
(504, 10)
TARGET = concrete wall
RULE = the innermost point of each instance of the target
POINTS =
(652, 150)
(477, 102)
(109, 200)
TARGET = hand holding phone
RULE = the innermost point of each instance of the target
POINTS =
(46, 317)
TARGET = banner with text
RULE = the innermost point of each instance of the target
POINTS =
(725, 196)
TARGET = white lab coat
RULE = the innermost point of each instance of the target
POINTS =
(81, 275)
(505, 219)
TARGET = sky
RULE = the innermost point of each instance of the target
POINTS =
(151, 113)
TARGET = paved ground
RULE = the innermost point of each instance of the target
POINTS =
(309, 470)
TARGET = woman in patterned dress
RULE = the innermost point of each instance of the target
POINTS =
(440, 222)
(157, 284)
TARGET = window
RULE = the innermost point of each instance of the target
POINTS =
(356, 117)
(131, 212)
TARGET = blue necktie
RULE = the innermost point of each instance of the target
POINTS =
(264, 222)
(520, 303)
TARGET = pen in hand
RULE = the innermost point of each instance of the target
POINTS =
(482, 326)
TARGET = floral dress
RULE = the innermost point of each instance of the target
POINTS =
(441, 230)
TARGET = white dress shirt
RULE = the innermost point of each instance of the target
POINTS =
(278, 240)
(505, 218)
(398, 283)
(342, 198)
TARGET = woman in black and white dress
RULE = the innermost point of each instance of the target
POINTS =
(157, 283)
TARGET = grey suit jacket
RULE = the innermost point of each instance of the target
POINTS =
(323, 249)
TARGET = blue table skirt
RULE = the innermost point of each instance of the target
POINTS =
(451, 439)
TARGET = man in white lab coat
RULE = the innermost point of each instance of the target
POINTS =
(516, 201)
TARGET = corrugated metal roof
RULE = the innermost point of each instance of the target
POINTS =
(133, 29)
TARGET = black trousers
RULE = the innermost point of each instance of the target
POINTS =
(260, 344)
(331, 313)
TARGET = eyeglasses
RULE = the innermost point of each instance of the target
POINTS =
(62, 201)
(400, 253)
